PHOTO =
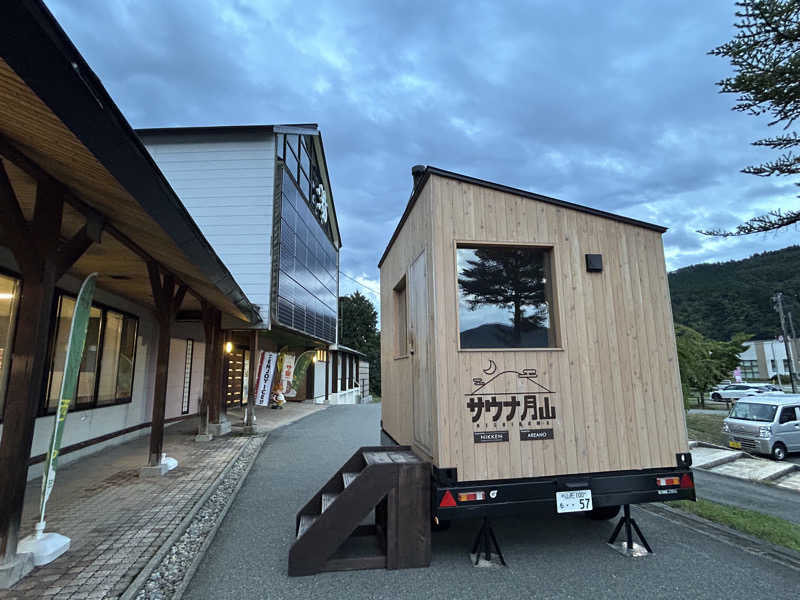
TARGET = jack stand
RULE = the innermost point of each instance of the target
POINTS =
(629, 547)
(484, 541)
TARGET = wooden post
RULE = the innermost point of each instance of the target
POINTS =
(327, 375)
(252, 378)
(167, 303)
(212, 367)
(42, 259)
(335, 369)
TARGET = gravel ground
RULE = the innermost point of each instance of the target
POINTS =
(168, 576)
(565, 557)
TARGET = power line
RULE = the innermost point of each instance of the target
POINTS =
(366, 287)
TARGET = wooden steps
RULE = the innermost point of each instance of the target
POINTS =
(335, 529)
(327, 500)
(306, 521)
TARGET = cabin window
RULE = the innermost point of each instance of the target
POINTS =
(505, 297)
(400, 319)
(9, 298)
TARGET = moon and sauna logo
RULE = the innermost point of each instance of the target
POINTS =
(509, 400)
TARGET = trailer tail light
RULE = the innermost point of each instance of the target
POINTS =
(471, 496)
(447, 500)
(668, 481)
(686, 482)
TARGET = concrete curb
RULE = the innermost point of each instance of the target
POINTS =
(189, 574)
(753, 545)
(737, 454)
(133, 589)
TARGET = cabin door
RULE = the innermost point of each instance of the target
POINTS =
(420, 351)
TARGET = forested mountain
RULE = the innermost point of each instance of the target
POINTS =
(722, 299)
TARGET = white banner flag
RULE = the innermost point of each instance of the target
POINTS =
(266, 373)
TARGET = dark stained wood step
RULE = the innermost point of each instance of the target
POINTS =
(390, 456)
(327, 500)
(306, 521)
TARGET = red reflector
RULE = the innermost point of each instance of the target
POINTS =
(686, 481)
(447, 500)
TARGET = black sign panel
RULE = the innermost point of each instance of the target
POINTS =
(526, 435)
(484, 437)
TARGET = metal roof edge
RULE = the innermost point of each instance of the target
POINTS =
(429, 170)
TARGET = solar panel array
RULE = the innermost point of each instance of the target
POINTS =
(307, 281)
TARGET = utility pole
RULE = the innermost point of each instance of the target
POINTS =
(775, 362)
(794, 338)
(778, 300)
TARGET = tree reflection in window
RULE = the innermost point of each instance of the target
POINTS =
(505, 297)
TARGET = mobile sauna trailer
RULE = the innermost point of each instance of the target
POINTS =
(528, 363)
(527, 349)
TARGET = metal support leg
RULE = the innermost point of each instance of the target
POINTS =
(484, 541)
(629, 548)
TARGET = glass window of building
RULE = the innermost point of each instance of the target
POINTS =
(749, 369)
(307, 288)
(106, 371)
(505, 297)
(9, 299)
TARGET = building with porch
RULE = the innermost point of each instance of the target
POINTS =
(200, 262)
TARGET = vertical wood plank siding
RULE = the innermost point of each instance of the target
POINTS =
(614, 373)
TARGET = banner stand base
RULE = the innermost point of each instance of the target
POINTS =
(45, 549)
(203, 437)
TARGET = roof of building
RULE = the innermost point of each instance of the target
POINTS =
(57, 114)
(342, 348)
(430, 170)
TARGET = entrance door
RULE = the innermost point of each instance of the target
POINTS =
(418, 325)
(234, 387)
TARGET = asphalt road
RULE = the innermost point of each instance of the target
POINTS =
(564, 557)
(769, 499)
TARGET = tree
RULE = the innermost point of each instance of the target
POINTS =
(358, 329)
(508, 278)
(704, 362)
(765, 54)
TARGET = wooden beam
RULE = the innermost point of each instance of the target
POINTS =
(15, 227)
(48, 213)
(67, 253)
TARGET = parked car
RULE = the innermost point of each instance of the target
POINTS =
(765, 424)
(740, 390)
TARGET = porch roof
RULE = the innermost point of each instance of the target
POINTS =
(57, 122)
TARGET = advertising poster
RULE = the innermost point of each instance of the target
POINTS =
(267, 365)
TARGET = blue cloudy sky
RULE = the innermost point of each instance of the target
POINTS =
(615, 108)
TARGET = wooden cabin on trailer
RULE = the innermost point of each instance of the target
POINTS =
(523, 336)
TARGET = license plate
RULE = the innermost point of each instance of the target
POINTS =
(733, 444)
(575, 501)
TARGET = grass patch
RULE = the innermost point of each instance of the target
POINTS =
(375, 399)
(706, 428)
(772, 529)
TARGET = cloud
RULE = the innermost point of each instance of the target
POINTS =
(612, 107)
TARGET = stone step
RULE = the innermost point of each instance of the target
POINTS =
(327, 500)
(791, 481)
(348, 478)
(306, 521)
(754, 469)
